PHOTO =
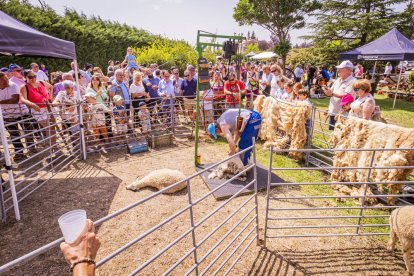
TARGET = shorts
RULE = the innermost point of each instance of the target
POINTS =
(188, 104)
(146, 127)
(255, 92)
(178, 101)
(41, 116)
(121, 128)
(231, 105)
(101, 129)
(386, 75)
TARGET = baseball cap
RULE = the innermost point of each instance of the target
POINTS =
(346, 100)
(344, 64)
(4, 69)
(90, 95)
(212, 130)
(141, 104)
(14, 66)
(117, 98)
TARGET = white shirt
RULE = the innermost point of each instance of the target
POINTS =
(388, 69)
(286, 97)
(267, 79)
(341, 87)
(299, 72)
(97, 113)
(12, 110)
(279, 93)
(208, 105)
(274, 86)
(137, 89)
(41, 76)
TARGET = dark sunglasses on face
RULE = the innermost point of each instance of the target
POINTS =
(187, 75)
(356, 89)
(175, 73)
(18, 71)
(31, 77)
(274, 71)
(231, 79)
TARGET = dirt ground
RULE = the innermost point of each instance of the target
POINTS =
(98, 186)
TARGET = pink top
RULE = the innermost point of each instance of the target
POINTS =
(37, 95)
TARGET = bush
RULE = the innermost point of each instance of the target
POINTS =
(411, 78)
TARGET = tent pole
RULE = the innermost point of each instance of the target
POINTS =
(398, 83)
(336, 74)
(373, 71)
(7, 159)
(80, 115)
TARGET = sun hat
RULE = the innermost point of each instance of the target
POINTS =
(212, 130)
(14, 66)
(345, 64)
(346, 100)
(117, 98)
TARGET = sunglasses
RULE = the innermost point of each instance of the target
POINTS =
(231, 79)
(356, 89)
(274, 71)
(31, 77)
(18, 71)
(175, 73)
(187, 75)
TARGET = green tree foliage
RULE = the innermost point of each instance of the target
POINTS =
(411, 78)
(353, 22)
(282, 49)
(406, 24)
(252, 47)
(279, 17)
(327, 57)
(167, 53)
(96, 40)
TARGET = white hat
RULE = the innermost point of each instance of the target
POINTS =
(345, 63)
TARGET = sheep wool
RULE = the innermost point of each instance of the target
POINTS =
(402, 229)
(355, 133)
(279, 115)
(228, 169)
(160, 179)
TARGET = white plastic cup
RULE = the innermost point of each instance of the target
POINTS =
(72, 224)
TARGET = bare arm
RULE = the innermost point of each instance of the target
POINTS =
(232, 145)
(13, 100)
(23, 93)
(368, 108)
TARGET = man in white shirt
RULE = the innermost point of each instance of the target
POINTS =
(40, 75)
(341, 87)
(388, 70)
(299, 73)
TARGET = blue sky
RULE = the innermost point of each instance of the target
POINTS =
(173, 18)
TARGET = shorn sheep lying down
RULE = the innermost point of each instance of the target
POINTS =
(402, 229)
(160, 179)
(229, 169)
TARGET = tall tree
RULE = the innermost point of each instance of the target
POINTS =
(277, 16)
(406, 24)
(353, 22)
(283, 48)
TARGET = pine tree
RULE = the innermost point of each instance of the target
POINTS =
(253, 36)
(248, 35)
(406, 24)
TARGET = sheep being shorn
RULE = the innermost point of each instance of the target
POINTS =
(229, 169)
(160, 179)
(402, 229)
(355, 133)
(279, 115)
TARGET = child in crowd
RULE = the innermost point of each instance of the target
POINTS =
(303, 95)
(131, 59)
(295, 95)
(144, 117)
(346, 102)
(121, 119)
(98, 119)
(71, 116)
(206, 105)
(281, 90)
(288, 91)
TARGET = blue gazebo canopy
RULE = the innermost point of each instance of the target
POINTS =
(391, 46)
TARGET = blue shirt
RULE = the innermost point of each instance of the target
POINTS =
(166, 87)
(155, 81)
(189, 88)
(119, 113)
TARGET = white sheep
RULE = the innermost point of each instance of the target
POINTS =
(229, 169)
(402, 229)
(160, 179)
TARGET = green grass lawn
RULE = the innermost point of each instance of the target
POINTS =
(402, 115)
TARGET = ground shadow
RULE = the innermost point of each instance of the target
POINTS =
(341, 261)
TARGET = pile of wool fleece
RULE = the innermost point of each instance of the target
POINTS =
(355, 133)
(279, 115)
(229, 169)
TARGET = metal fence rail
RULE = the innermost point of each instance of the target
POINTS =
(247, 227)
(353, 216)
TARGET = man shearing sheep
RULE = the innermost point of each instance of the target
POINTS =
(244, 129)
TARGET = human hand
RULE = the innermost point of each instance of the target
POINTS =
(84, 247)
(35, 107)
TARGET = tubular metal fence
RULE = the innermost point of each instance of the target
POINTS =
(241, 234)
(309, 220)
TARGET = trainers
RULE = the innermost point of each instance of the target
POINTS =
(98, 148)
(18, 157)
(89, 150)
(117, 146)
(125, 144)
(129, 132)
(108, 148)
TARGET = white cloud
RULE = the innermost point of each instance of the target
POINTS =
(156, 7)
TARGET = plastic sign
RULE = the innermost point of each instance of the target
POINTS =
(203, 74)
